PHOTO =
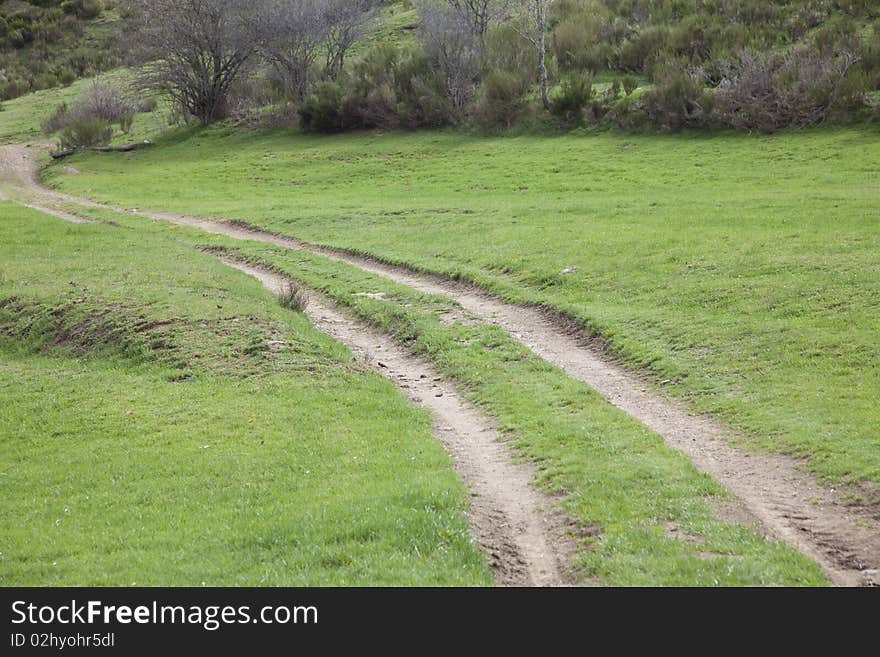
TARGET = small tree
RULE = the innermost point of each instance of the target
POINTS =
(195, 49)
(344, 25)
(539, 8)
(479, 13)
(291, 37)
(453, 48)
(536, 34)
(294, 34)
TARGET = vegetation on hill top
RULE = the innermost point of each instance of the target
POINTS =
(334, 65)
(50, 43)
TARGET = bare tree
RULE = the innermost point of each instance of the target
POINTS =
(195, 49)
(453, 47)
(537, 36)
(540, 7)
(295, 34)
(344, 25)
(291, 37)
(480, 13)
(801, 88)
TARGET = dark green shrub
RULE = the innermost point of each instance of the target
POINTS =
(370, 99)
(837, 32)
(869, 54)
(585, 39)
(376, 108)
(638, 51)
(688, 38)
(66, 76)
(13, 89)
(569, 103)
(630, 84)
(321, 111)
(422, 100)
(86, 133)
(389, 87)
(85, 9)
(570, 40)
(501, 100)
(45, 81)
(678, 100)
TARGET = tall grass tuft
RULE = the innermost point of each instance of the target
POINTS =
(293, 296)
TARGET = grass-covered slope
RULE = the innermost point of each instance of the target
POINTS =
(150, 435)
(642, 36)
(742, 271)
(22, 119)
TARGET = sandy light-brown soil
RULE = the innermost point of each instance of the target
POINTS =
(786, 502)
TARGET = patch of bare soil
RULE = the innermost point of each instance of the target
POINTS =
(20, 182)
(789, 504)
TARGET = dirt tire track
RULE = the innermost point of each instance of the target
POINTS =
(18, 173)
(789, 504)
(523, 536)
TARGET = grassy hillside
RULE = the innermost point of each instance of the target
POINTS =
(741, 271)
(149, 436)
(22, 119)
(641, 35)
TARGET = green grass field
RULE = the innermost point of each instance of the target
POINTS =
(742, 272)
(150, 436)
(645, 515)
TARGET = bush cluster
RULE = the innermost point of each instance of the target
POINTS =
(640, 64)
(389, 87)
(89, 122)
(702, 63)
(637, 35)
